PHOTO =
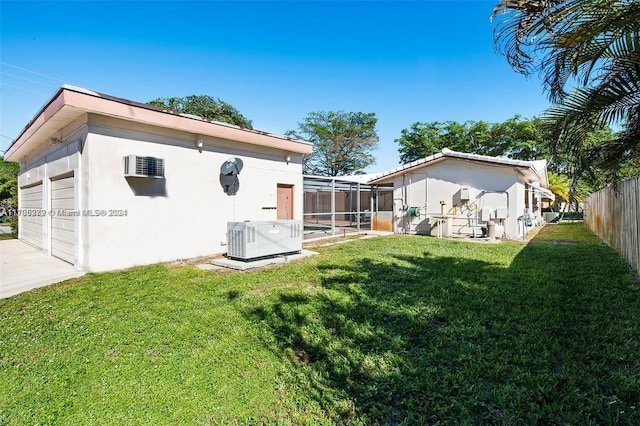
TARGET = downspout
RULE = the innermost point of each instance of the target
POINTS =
(406, 209)
(373, 204)
(522, 218)
(358, 206)
(405, 203)
(317, 206)
(333, 206)
(398, 229)
(426, 193)
(404, 190)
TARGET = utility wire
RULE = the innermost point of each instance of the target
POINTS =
(26, 79)
(31, 71)
(22, 88)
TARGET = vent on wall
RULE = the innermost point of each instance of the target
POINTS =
(143, 166)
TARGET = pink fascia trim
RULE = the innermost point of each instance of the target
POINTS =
(168, 120)
(98, 105)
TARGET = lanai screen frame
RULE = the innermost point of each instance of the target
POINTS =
(360, 216)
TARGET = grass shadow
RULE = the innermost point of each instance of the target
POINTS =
(432, 332)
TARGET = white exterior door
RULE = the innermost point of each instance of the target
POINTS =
(63, 220)
(31, 218)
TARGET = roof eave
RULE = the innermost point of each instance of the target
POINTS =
(399, 171)
(427, 161)
(96, 103)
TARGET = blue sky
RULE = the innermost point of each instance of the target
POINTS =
(406, 61)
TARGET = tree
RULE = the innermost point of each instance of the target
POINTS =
(342, 142)
(206, 107)
(419, 141)
(559, 185)
(424, 139)
(517, 138)
(8, 180)
(592, 44)
(9, 192)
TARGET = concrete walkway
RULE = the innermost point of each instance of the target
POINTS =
(23, 267)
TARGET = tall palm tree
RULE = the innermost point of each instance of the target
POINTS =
(591, 45)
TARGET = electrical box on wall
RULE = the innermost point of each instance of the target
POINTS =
(485, 214)
(502, 213)
(464, 194)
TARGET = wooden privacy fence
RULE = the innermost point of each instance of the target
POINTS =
(614, 216)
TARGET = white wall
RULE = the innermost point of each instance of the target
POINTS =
(490, 187)
(184, 215)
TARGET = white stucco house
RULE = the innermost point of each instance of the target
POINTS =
(107, 183)
(460, 194)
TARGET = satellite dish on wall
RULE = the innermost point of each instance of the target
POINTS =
(229, 172)
(231, 167)
(230, 184)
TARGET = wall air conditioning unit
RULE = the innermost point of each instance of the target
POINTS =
(150, 167)
(257, 239)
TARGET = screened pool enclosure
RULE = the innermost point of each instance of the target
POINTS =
(337, 206)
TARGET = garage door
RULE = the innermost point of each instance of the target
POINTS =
(63, 225)
(31, 217)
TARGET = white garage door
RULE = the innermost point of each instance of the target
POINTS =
(31, 216)
(63, 225)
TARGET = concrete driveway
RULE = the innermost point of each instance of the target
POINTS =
(23, 267)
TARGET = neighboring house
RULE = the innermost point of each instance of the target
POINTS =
(460, 194)
(111, 183)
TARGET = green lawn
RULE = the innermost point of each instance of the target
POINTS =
(390, 330)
